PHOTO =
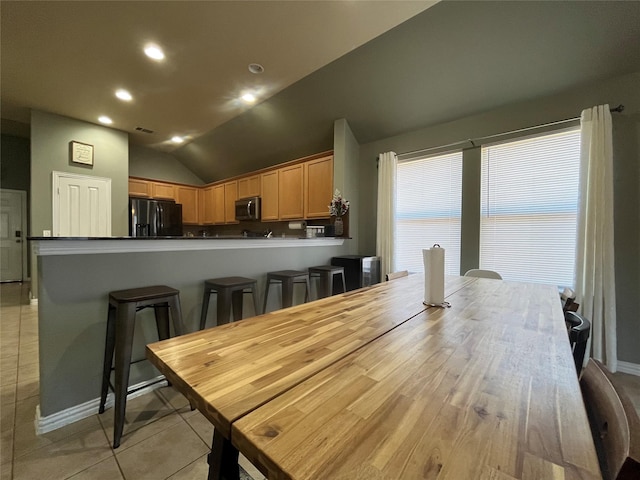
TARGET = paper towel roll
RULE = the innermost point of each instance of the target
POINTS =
(433, 275)
(297, 225)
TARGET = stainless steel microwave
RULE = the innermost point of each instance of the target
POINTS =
(248, 208)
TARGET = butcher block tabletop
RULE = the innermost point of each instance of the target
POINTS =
(372, 384)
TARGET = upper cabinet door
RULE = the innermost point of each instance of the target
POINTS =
(218, 203)
(188, 198)
(230, 197)
(139, 188)
(207, 206)
(269, 199)
(249, 186)
(164, 191)
(291, 194)
(318, 182)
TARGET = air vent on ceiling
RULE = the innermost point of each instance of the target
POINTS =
(143, 130)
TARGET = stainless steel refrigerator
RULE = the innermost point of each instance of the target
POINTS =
(154, 218)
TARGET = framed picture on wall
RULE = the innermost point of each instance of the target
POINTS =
(81, 153)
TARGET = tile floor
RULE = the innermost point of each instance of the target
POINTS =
(163, 438)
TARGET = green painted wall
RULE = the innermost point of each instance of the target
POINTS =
(149, 163)
(568, 104)
(73, 302)
(15, 166)
(50, 137)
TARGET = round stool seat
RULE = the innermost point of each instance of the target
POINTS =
(287, 278)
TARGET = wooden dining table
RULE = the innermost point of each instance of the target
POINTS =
(372, 384)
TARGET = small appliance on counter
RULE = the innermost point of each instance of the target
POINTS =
(248, 209)
(154, 218)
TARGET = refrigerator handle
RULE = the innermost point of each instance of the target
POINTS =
(159, 219)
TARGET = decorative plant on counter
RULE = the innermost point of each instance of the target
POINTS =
(339, 206)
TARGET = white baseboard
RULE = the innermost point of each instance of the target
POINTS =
(628, 367)
(84, 410)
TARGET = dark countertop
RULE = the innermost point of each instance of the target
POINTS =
(221, 237)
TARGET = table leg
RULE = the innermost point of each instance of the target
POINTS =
(223, 459)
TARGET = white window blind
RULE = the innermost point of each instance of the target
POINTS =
(428, 210)
(529, 204)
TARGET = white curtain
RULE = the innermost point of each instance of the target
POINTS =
(595, 273)
(386, 217)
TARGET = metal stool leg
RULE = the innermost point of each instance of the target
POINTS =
(124, 339)
(110, 344)
(176, 315)
(307, 291)
(205, 307)
(326, 281)
(266, 296)
(223, 307)
(236, 304)
(254, 292)
(162, 320)
(287, 292)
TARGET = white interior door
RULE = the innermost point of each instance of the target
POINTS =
(81, 205)
(12, 235)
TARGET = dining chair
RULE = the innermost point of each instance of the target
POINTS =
(579, 329)
(476, 272)
(394, 275)
(568, 298)
(614, 422)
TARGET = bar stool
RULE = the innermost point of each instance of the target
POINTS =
(123, 305)
(326, 275)
(287, 278)
(230, 292)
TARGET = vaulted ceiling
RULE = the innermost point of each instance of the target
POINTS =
(431, 65)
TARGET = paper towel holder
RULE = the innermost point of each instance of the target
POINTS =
(439, 305)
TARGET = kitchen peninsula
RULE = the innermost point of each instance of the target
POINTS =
(75, 276)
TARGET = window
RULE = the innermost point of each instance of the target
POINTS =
(429, 210)
(529, 205)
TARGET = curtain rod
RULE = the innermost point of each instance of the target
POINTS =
(617, 109)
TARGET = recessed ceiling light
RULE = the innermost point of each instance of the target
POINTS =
(249, 97)
(153, 51)
(104, 119)
(123, 95)
(177, 139)
(256, 68)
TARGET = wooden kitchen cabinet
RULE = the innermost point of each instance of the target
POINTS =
(188, 198)
(218, 204)
(249, 186)
(163, 191)
(296, 190)
(230, 197)
(207, 206)
(269, 188)
(318, 187)
(291, 192)
(139, 188)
